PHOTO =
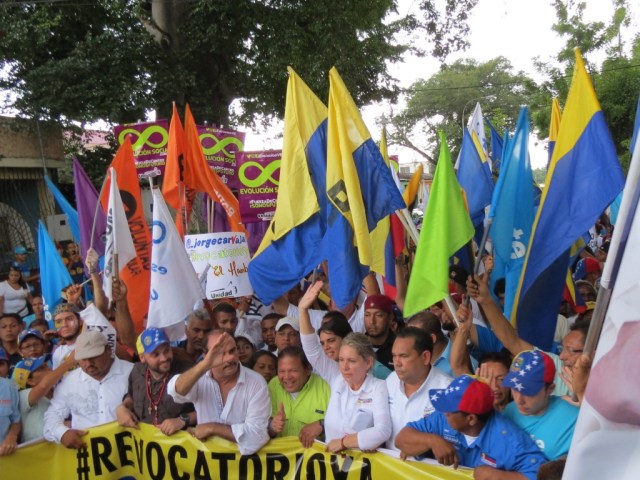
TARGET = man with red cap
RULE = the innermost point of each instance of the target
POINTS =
(465, 430)
(378, 315)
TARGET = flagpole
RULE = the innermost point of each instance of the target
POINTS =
(95, 215)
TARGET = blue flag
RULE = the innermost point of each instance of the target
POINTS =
(361, 192)
(512, 211)
(65, 206)
(54, 276)
(583, 179)
(291, 247)
(475, 178)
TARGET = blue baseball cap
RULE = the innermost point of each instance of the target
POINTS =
(24, 368)
(3, 355)
(530, 371)
(150, 339)
(464, 394)
(20, 250)
(30, 333)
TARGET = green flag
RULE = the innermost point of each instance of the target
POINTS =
(445, 229)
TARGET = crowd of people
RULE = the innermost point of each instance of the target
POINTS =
(460, 387)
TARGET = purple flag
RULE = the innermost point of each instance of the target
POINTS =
(86, 202)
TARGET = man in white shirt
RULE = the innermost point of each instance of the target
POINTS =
(412, 379)
(89, 394)
(231, 401)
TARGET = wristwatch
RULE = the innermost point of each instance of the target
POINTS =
(185, 418)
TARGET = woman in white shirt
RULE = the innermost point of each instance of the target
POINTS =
(14, 294)
(358, 412)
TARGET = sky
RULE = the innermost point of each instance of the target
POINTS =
(519, 30)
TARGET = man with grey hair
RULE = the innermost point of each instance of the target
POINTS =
(90, 394)
(199, 326)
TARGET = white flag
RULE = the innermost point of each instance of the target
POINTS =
(94, 320)
(118, 236)
(606, 441)
(476, 125)
(175, 287)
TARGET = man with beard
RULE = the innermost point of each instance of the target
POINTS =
(147, 399)
(231, 401)
(89, 394)
(199, 326)
(68, 325)
(378, 315)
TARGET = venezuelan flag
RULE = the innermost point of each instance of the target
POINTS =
(584, 177)
(361, 192)
(291, 246)
(554, 126)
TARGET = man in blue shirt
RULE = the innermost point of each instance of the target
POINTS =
(549, 419)
(465, 430)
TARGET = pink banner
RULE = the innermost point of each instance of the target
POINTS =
(258, 177)
(220, 148)
(149, 142)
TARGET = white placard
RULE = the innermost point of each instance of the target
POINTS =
(227, 254)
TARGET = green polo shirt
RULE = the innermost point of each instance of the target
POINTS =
(310, 404)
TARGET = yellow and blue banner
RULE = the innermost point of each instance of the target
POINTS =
(361, 192)
(291, 247)
(116, 453)
(583, 179)
(474, 177)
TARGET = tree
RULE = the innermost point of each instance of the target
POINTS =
(441, 102)
(617, 81)
(115, 59)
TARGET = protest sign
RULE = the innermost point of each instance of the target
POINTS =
(114, 452)
(227, 254)
(220, 148)
(149, 142)
(259, 177)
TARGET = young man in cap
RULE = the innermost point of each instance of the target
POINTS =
(287, 333)
(147, 399)
(378, 316)
(90, 394)
(547, 418)
(465, 430)
(32, 344)
(231, 401)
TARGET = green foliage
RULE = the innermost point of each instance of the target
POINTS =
(445, 101)
(111, 59)
(539, 175)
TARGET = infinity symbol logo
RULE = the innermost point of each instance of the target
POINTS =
(220, 145)
(144, 137)
(264, 176)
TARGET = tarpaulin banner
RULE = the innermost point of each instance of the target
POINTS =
(220, 148)
(259, 177)
(149, 142)
(225, 257)
(146, 453)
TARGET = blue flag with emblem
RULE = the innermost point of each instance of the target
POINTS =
(512, 211)
(361, 192)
